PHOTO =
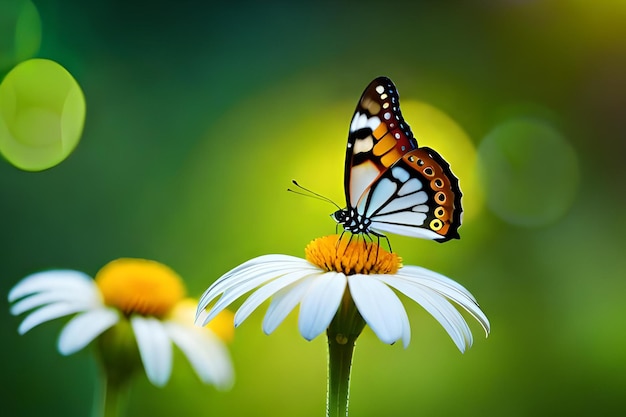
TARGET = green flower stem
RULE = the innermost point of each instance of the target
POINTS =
(113, 398)
(119, 361)
(342, 334)
(339, 366)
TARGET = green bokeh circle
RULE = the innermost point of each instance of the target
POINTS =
(530, 172)
(20, 32)
(42, 113)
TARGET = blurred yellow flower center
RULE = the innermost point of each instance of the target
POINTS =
(355, 256)
(140, 286)
(222, 325)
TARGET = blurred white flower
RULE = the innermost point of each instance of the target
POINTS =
(143, 295)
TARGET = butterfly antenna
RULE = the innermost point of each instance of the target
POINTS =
(309, 193)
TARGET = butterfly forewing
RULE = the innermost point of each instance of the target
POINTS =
(378, 138)
(391, 184)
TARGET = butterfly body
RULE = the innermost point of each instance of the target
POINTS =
(391, 184)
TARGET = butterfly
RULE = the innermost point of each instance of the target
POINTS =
(391, 184)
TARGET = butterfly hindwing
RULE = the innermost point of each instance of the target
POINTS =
(418, 196)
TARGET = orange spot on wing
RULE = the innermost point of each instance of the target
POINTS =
(391, 157)
(384, 145)
(380, 131)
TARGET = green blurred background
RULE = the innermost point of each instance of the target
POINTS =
(200, 113)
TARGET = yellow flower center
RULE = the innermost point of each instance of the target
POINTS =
(351, 257)
(140, 286)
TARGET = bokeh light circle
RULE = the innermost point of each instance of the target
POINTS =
(20, 32)
(435, 129)
(530, 171)
(42, 113)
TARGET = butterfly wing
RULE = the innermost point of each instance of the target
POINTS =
(399, 187)
(418, 197)
(377, 139)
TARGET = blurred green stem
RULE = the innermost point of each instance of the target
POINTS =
(342, 334)
(119, 360)
(113, 397)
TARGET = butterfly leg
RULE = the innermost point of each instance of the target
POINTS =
(388, 243)
(365, 237)
(377, 245)
(380, 235)
(341, 237)
(368, 235)
(339, 240)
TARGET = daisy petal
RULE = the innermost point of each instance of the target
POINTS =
(380, 307)
(84, 328)
(261, 265)
(56, 280)
(49, 312)
(246, 281)
(438, 280)
(270, 265)
(437, 306)
(232, 293)
(283, 302)
(320, 303)
(265, 292)
(448, 288)
(155, 348)
(202, 317)
(206, 353)
(61, 296)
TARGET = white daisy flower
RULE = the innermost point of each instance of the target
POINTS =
(342, 285)
(129, 300)
(318, 284)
